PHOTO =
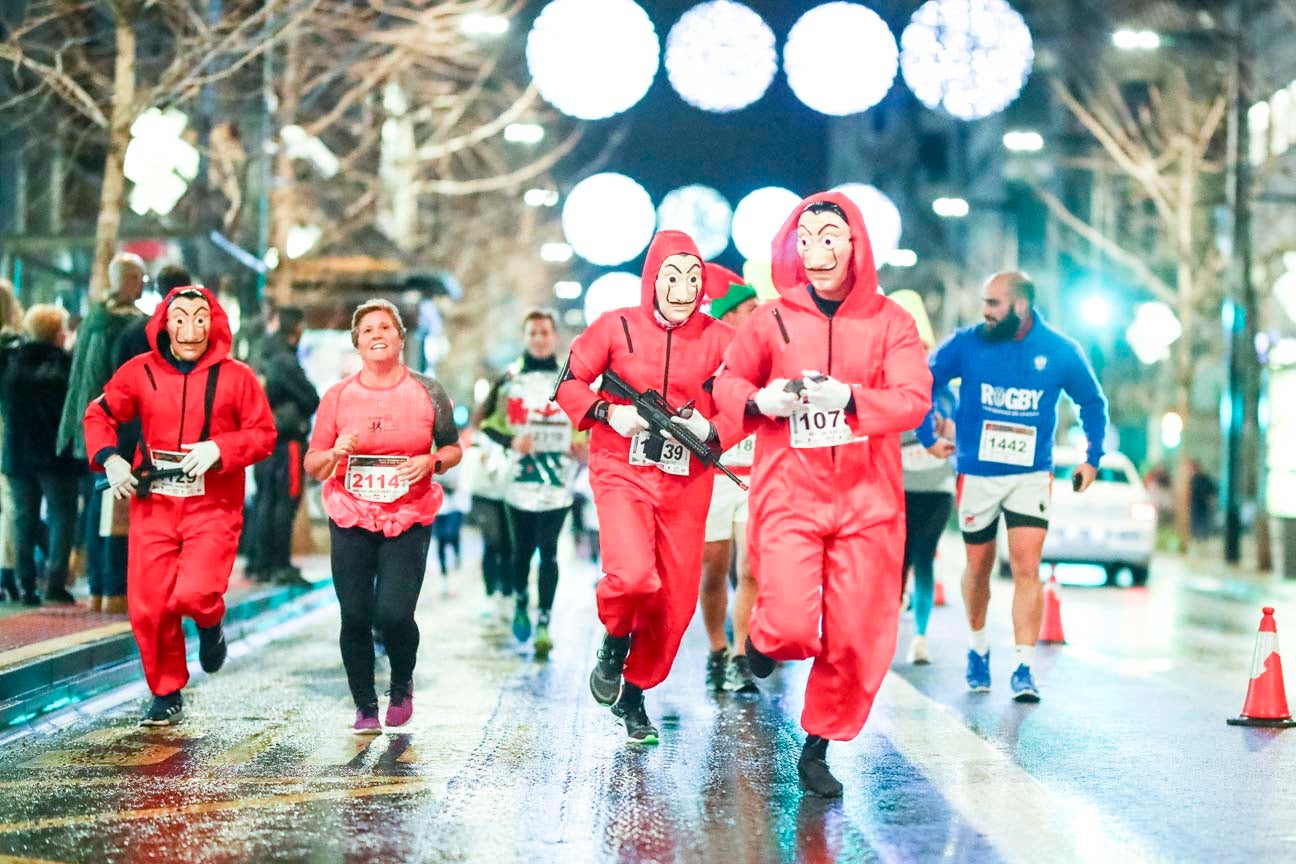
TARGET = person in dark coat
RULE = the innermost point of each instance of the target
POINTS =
(293, 399)
(33, 386)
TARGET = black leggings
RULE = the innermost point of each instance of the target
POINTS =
(377, 580)
(532, 531)
(497, 555)
(925, 516)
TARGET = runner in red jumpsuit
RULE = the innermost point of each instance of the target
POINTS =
(826, 528)
(204, 413)
(652, 516)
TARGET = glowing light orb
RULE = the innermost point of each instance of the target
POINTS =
(611, 291)
(592, 58)
(608, 219)
(720, 56)
(881, 218)
(969, 58)
(702, 213)
(758, 217)
(840, 58)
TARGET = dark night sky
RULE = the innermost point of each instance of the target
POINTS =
(775, 141)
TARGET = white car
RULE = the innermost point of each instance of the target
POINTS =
(1112, 523)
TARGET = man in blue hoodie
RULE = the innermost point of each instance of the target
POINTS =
(1014, 367)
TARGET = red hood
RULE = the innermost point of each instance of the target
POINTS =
(718, 280)
(220, 341)
(665, 244)
(789, 274)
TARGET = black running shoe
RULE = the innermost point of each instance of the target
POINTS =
(605, 680)
(165, 711)
(61, 596)
(211, 648)
(813, 771)
(738, 677)
(761, 666)
(717, 661)
(630, 709)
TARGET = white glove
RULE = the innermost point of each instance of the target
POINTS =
(625, 419)
(200, 458)
(827, 395)
(773, 400)
(120, 479)
(695, 423)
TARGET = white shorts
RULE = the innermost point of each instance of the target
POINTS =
(728, 508)
(1023, 499)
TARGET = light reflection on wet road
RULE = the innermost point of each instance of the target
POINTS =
(1126, 758)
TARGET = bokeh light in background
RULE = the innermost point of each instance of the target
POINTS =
(969, 58)
(611, 291)
(592, 58)
(702, 213)
(840, 58)
(758, 217)
(608, 219)
(881, 218)
(1153, 330)
(720, 56)
(759, 274)
(1096, 310)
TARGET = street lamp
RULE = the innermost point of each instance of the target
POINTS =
(540, 198)
(524, 133)
(556, 253)
(950, 208)
(1023, 141)
(1136, 40)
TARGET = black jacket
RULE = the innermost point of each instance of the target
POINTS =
(33, 385)
(293, 398)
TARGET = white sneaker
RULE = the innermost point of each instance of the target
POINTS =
(918, 655)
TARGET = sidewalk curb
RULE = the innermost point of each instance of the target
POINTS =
(30, 690)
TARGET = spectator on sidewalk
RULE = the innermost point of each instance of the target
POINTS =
(94, 360)
(1202, 492)
(293, 399)
(133, 340)
(448, 526)
(33, 386)
(10, 332)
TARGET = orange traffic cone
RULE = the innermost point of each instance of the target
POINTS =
(1266, 699)
(938, 594)
(1051, 624)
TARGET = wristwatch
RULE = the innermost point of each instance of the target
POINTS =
(601, 411)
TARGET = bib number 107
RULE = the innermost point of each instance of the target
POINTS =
(815, 421)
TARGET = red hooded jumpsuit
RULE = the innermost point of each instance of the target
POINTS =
(651, 524)
(826, 529)
(181, 550)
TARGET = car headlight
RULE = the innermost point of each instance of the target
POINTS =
(1143, 511)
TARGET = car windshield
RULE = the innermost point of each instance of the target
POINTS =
(1106, 474)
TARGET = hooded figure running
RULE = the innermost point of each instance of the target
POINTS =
(835, 372)
(205, 414)
(652, 515)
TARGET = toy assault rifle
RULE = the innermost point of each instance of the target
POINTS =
(147, 475)
(655, 409)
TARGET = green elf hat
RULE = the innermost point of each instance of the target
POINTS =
(726, 289)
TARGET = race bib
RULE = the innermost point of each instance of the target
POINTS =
(815, 427)
(741, 455)
(674, 456)
(1007, 444)
(175, 487)
(914, 458)
(549, 437)
(373, 478)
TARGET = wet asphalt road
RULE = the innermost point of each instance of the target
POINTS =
(1127, 758)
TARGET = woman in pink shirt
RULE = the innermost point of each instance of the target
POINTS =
(380, 435)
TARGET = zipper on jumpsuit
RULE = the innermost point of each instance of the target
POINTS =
(832, 451)
(184, 395)
(666, 377)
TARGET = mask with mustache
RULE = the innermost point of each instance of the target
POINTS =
(1005, 329)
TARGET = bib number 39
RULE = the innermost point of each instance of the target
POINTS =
(674, 458)
(815, 427)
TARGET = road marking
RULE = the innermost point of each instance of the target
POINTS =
(14, 859)
(247, 749)
(151, 754)
(353, 780)
(340, 750)
(404, 787)
(1025, 819)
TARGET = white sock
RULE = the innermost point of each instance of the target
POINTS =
(1024, 654)
(980, 641)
